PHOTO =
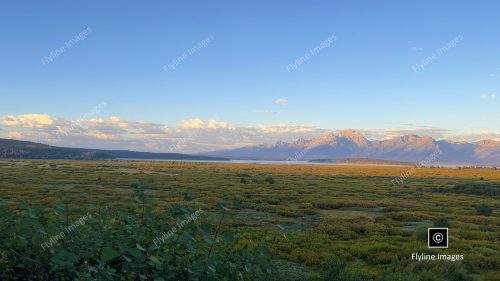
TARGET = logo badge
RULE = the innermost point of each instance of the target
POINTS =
(437, 237)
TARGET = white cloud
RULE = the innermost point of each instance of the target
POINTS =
(488, 96)
(281, 101)
(197, 123)
(15, 135)
(27, 120)
(272, 112)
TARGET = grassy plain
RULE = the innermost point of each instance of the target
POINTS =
(350, 212)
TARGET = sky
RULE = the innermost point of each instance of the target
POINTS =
(192, 76)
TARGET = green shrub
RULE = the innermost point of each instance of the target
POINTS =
(398, 271)
(441, 222)
(338, 270)
(484, 210)
(335, 270)
(270, 180)
(421, 233)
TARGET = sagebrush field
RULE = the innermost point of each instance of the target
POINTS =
(258, 222)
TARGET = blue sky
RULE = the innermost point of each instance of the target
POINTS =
(364, 80)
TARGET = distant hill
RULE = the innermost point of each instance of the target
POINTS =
(352, 144)
(15, 149)
(126, 154)
(369, 161)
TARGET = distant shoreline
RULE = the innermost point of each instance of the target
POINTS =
(266, 162)
(312, 162)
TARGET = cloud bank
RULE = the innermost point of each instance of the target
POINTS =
(189, 136)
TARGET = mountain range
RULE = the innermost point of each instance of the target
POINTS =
(334, 147)
(352, 144)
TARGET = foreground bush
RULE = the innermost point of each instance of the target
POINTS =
(104, 244)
